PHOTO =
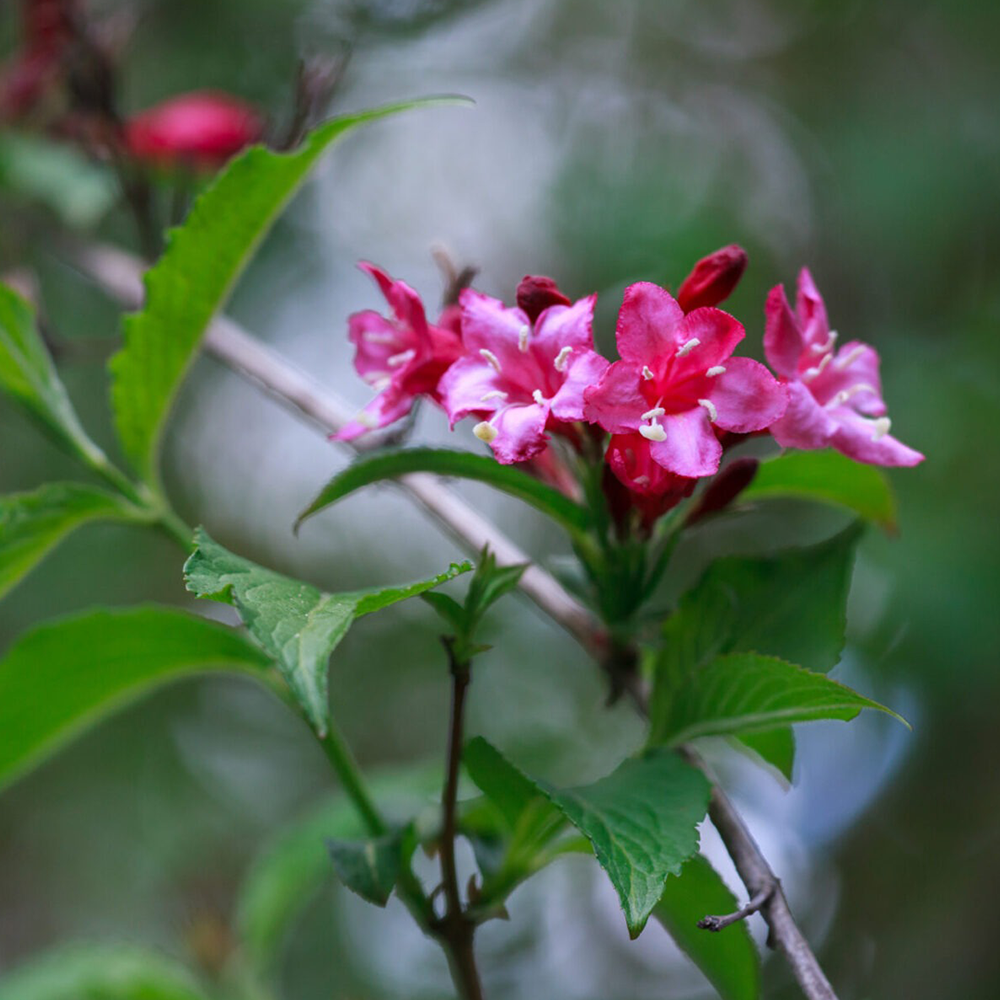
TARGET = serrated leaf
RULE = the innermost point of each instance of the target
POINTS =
(368, 867)
(829, 477)
(745, 692)
(29, 377)
(297, 624)
(101, 972)
(32, 524)
(728, 958)
(382, 465)
(65, 675)
(641, 820)
(775, 747)
(194, 277)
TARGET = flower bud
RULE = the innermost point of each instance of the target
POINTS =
(724, 488)
(713, 278)
(202, 129)
(536, 293)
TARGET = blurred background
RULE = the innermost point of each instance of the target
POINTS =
(609, 143)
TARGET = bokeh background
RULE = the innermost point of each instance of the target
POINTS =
(610, 142)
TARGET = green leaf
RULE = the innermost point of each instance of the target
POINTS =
(101, 972)
(32, 524)
(298, 625)
(192, 280)
(65, 675)
(745, 692)
(775, 747)
(462, 464)
(728, 958)
(368, 867)
(829, 477)
(641, 820)
(28, 375)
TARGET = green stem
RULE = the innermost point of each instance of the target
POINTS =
(340, 756)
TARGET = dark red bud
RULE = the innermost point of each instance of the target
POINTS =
(536, 293)
(200, 129)
(713, 278)
(724, 488)
(48, 24)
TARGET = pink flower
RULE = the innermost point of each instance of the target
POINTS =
(403, 357)
(835, 399)
(677, 382)
(520, 377)
(713, 278)
(202, 129)
(648, 487)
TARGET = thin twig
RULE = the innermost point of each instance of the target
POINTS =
(757, 902)
(119, 273)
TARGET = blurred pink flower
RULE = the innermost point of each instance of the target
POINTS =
(677, 382)
(835, 399)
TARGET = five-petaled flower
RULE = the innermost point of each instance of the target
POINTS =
(677, 382)
(403, 357)
(835, 397)
(521, 377)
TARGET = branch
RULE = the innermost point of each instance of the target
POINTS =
(120, 273)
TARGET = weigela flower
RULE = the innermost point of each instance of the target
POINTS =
(202, 129)
(649, 488)
(401, 358)
(677, 382)
(713, 278)
(835, 397)
(518, 377)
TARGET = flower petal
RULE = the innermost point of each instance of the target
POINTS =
(858, 438)
(560, 326)
(690, 447)
(805, 423)
(616, 402)
(783, 343)
(402, 299)
(717, 334)
(811, 312)
(647, 324)
(520, 433)
(463, 386)
(583, 371)
(376, 340)
(386, 408)
(746, 397)
(854, 371)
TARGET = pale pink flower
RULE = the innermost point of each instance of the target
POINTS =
(520, 378)
(835, 396)
(402, 357)
(677, 382)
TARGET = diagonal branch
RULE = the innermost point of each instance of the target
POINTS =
(119, 274)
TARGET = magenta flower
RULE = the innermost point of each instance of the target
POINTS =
(835, 399)
(518, 377)
(403, 357)
(677, 382)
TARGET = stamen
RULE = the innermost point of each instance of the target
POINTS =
(381, 384)
(492, 394)
(374, 337)
(688, 347)
(810, 373)
(485, 431)
(713, 413)
(641, 481)
(656, 411)
(850, 358)
(491, 358)
(716, 370)
(404, 357)
(828, 346)
(538, 397)
(653, 432)
(562, 359)
(522, 339)
(880, 427)
(647, 373)
(366, 420)
(845, 394)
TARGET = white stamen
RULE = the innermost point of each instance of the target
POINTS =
(374, 337)
(401, 359)
(653, 432)
(647, 373)
(828, 346)
(522, 339)
(845, 394)
(561, 359)
(641, 481)
(688, 347)
(716, 370)
(485, 431)
(849, 358)
(656, 411)
(491, 358)
(810, 373)
(713, 413)
(538, 397)
(366, 420)
(381, 383)
(880, 427)
(492, 394)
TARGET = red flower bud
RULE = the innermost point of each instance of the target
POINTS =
(713, 278)
(724, 489)
(536, 293)
(202, 129)
(48, 24)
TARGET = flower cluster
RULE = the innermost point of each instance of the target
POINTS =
(674, 401)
